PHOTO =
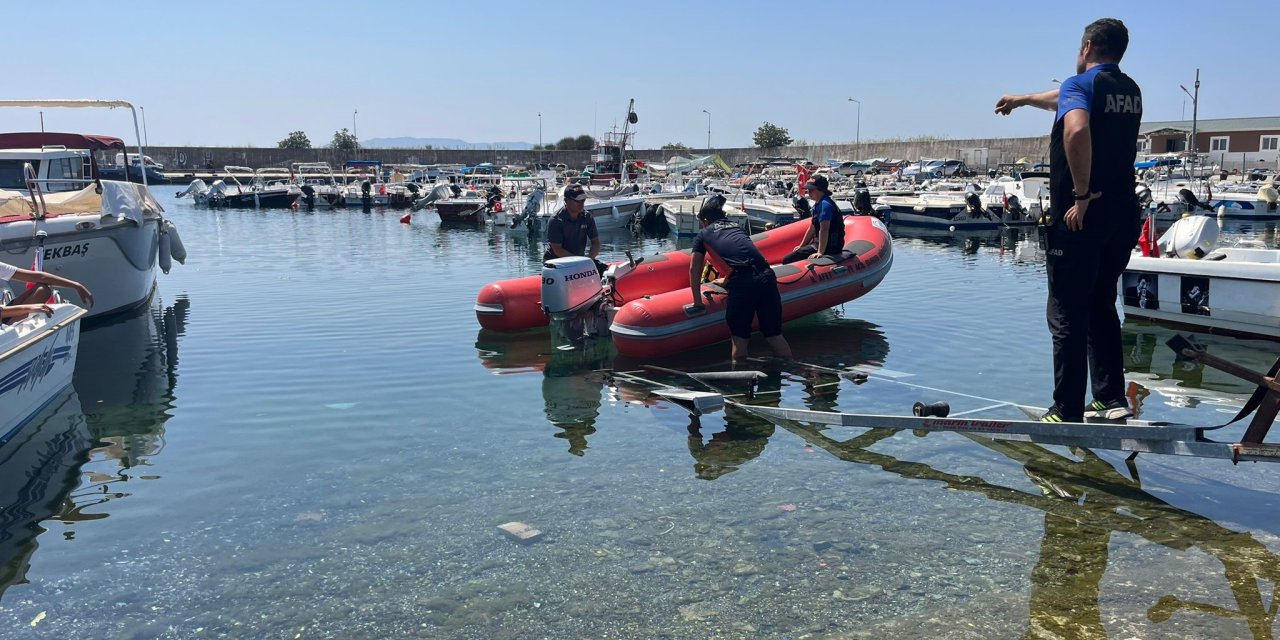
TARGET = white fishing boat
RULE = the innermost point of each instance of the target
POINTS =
(319, 187)
(37, 359)
(1232, 290)
(682, 215)
(110, 236)
(955, 206)
(259, 194)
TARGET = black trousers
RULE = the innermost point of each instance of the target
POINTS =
(1083, 268)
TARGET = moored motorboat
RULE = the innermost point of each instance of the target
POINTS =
(1232, 290)
(37, 359)
(109, 236)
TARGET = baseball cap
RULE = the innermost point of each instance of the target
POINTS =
(575, 192)
(818, 182)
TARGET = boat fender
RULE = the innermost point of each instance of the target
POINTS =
(166, 245)
(176, 249)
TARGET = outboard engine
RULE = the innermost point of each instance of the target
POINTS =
(1014, 207)
(802, 207)
(1144, 196)
(1268, 194)
(1191, 237)
(455, 189)
(308, 195)
(974, 202)
(439, 192)
(1190, 200)
(862, 200)
(217, 193)
(573, 297)
(531, 205)
(366, 194)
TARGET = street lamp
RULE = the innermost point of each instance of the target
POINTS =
(354, 133)
(708, 129)
(859, 139)
(1195, 110)
(539, 139)
(146, 141)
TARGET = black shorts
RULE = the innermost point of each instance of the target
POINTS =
(753, 295)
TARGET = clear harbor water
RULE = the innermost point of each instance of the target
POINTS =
(307, 436)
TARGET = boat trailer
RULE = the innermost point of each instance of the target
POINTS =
(1133, 436)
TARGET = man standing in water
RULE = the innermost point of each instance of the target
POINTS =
(751, 286)
(1094, 220)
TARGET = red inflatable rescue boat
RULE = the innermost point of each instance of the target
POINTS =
(659, 325)
(516, 304)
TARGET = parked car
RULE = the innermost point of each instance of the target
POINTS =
(854, 168)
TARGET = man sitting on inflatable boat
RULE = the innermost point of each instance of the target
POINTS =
(569, 231)
(752, 288)
(825, 235)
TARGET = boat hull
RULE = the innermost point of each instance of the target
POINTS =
(37, 360)
(115, 259)
(466, 211)
(278, 199)
(660, 325)
(1214, 296)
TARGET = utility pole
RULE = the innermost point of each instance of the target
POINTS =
(539, 140)
(146, 141)
(708, 129)
(41, 122)
(354, 133)
(858, 143)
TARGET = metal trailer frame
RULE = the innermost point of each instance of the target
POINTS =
(1133, 436)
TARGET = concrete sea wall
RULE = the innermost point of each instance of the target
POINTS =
(997, 150)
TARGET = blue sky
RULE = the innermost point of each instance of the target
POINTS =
(247, 73)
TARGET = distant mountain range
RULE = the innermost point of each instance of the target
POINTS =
(438, 143)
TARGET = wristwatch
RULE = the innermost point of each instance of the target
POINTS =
(1078, 197)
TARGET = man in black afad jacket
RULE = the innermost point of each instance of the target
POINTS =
(1094, 220)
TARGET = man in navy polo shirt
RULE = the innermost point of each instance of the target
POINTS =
(570, 231)
(750, 284)
(1094, 220)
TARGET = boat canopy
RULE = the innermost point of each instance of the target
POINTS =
(37, 139)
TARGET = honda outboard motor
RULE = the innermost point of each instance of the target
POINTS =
(573, 297)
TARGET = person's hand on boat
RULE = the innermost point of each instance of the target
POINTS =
(1075, 215)
(816, 255)
(21, 311)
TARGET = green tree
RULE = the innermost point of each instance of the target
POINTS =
(769, 136)
(674, 146)
(584, 142)
(344, 140)
(295, 140)
(565, 144)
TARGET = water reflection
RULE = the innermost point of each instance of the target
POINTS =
(38, 472)
(575, 381)
(1085, 500)
(114, 412)
(1179, 382)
